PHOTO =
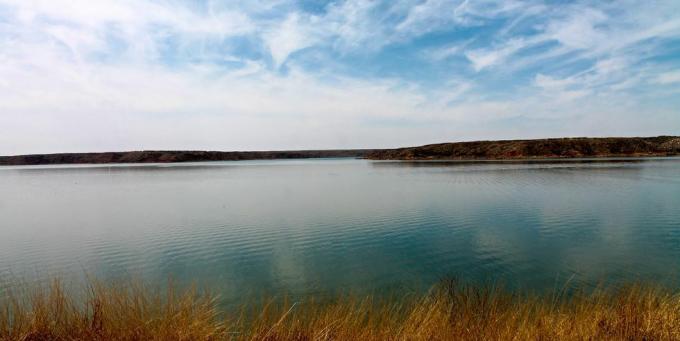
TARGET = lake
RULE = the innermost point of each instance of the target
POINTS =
(321, 226)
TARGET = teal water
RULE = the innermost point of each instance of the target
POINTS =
(322, 226)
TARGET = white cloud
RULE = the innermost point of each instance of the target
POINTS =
(562, 90)
(87, 27)
(353, 24)
(547, 82)
(287, 38)
(610, 65)
(484, 58)
(82, 75)
(668, 77)
(578, 30)
(89, 14)
(605, 76)
(431, 14)
(443, 53)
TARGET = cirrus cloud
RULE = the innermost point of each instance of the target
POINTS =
(110, 75)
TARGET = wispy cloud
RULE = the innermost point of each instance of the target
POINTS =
(668, 77)
(487, 57)
(105, 75)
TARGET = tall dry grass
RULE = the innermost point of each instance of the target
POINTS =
(449, 312)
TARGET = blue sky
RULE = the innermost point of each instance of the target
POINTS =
(102, 75)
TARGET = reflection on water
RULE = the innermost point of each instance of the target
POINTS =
(318, 226)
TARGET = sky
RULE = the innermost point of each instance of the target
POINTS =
(112, 75)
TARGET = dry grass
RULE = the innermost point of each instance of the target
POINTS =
(448, 312)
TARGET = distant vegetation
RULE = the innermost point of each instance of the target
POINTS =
(449, 312)
(543, 148)
(479, 150)
(152, 156)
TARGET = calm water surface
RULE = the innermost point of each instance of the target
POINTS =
(321, 226)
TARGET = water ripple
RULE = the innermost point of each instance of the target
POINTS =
(323, 226)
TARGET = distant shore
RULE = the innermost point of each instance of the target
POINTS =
(579, 147)
(153, 156)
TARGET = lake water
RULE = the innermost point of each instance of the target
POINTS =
(322, 226)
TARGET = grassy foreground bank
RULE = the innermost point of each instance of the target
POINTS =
(448, 312)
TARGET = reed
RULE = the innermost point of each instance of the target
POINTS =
(450, 311)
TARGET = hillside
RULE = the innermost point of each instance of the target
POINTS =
(543, 148)
(478, 150)
(170, 156)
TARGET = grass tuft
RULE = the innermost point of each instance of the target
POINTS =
(450, 311)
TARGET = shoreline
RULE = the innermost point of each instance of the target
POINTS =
(485, 151)
(555, 148)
